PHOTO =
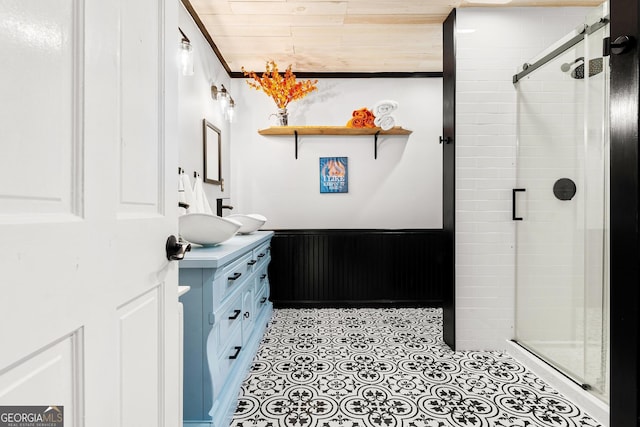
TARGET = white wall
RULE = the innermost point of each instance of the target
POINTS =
(195, 104)
(504, 38)
(401, 189)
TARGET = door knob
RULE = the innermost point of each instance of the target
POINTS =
(176, 250)
(445, 139)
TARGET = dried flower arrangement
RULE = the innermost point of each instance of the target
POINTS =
(282, 88)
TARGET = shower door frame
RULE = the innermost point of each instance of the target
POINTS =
(559, 50)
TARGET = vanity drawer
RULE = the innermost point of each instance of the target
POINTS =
(228, 318)
(262, 255)
(262, 298)
(230, 354)
(261, 278)
(235, 274)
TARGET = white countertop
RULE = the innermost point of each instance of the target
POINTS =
(217, 256)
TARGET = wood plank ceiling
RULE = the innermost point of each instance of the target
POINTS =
(335, 36)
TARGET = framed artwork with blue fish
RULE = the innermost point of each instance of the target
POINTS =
(334, 175)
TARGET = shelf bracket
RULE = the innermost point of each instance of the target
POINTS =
(375, 145)
(295, 133)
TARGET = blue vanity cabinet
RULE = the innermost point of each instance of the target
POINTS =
(225, 315)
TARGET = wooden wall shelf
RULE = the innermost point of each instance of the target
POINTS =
(332, 130)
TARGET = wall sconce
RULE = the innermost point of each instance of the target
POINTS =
(186, 55)
(223, 97)
(216, 93)
(231, 110)
(227, 104)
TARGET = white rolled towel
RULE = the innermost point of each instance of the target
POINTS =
(385, 122)
(187, 193)
(385, 107)
(202, 204)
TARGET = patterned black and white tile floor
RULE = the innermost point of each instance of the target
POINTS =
(388, 368)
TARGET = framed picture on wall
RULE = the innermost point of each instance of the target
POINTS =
(212, 153)
(334, 175)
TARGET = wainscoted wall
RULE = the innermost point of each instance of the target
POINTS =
(377, 244)
(330, 268)
(490, 45)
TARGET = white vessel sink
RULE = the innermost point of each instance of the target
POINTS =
(250, 222)
(207, 230)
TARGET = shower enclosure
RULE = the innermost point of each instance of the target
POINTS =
(561, 208)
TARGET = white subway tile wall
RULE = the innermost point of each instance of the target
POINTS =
(486, 60)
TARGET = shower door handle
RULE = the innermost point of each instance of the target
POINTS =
(513, 203)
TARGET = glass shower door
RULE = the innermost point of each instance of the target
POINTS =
(561, 200)
(596, 310)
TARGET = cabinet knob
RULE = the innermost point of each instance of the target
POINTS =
(235, 315)
(252, 262)
(263, 300)
(262, 277)
(246, 314)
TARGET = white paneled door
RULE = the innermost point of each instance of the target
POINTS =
(88, 197)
